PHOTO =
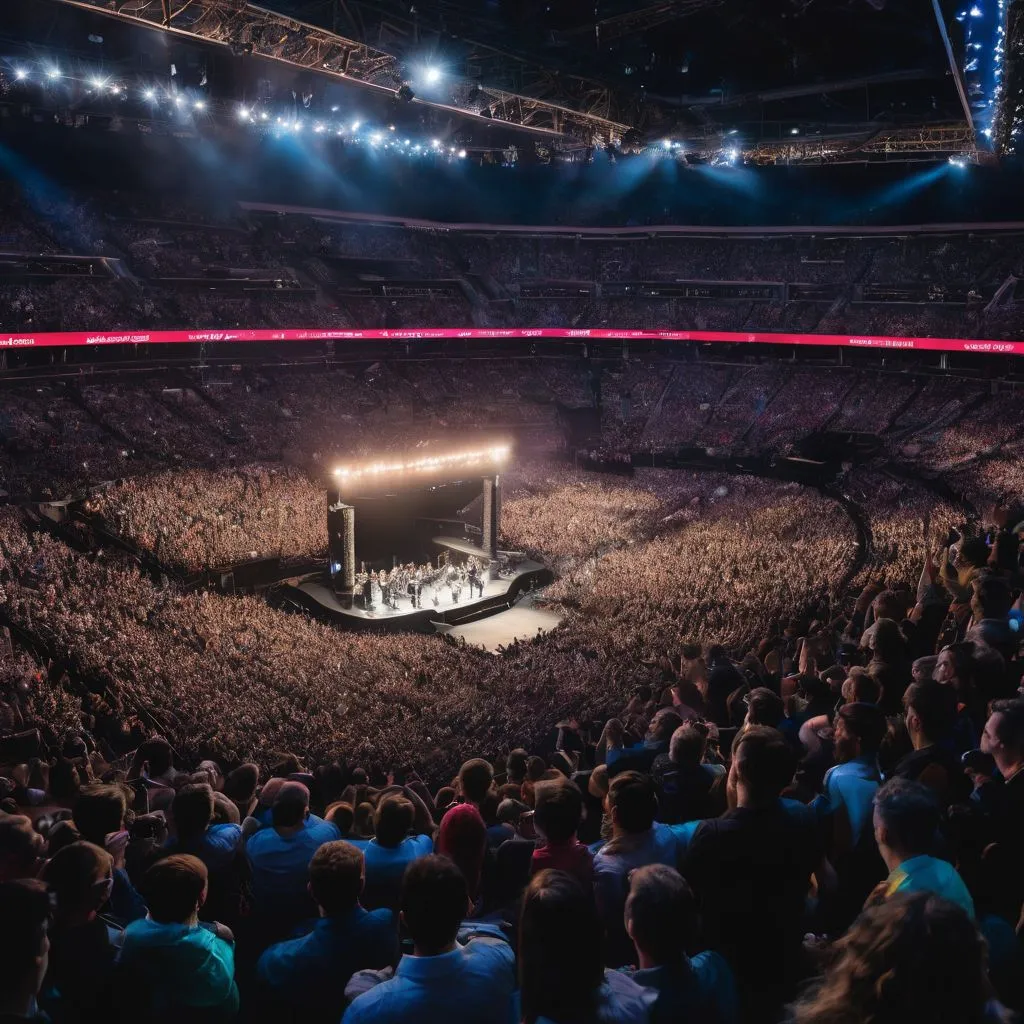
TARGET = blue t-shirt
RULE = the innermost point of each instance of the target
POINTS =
(470, 985)
(280, 867)
(930, 874)
(851, 786)
(620, 1000)
(661, 844)
(309, 974)
(705, 991)
(180, 966)
(385, 866)
(217, 847)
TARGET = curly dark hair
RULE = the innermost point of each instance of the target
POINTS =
(914, 958)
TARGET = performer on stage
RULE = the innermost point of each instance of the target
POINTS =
(474, 579)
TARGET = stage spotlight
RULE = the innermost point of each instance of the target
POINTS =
(97, 83)
(432, 76)
(666, 143)
(264, 115)
(20, 74)
(199, 105)
(115, 90)
(243, 114)
(179, 101)
(334, 109)
(355, 126)
(376, 138)
(150, 95)
(435, 143)
(462, 154)
(52, 73)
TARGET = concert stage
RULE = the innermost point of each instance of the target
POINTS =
(314, 594)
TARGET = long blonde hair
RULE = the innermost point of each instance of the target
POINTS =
(915, 959)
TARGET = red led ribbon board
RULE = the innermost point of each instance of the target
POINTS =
(408, 334)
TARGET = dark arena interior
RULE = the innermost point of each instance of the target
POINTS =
(415, 419)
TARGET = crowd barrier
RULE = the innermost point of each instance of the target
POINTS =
(67, 338)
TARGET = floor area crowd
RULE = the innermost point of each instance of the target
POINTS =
(759, 773)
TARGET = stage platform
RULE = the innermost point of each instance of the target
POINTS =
(314, 594)
(523, 621)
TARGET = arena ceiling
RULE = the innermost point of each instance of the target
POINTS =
(768, 71)
(782, 81)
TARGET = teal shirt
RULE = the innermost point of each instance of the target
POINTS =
(929, 874)
(181, 966)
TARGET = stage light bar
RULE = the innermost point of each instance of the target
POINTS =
(494, 455)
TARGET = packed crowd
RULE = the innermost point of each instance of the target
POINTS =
(820, 823)
(195, 519)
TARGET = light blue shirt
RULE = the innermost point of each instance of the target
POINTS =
(216, 847)
(470, 985)
(705, 991)
(662, 844)
(851, 786)
(930, 874)
(309, 974)
(280, 867)
(620, 1000)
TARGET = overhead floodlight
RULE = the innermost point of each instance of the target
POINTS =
(115, 89)
(432, 75)
(794, 131)
(243, 114)
(264, 115)
(462, 154)
(355, 126)
(20, 74)
(149, 94)
(98, 83)
(52, 73)
(199, 105)
(436, 143)
(666, 143)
